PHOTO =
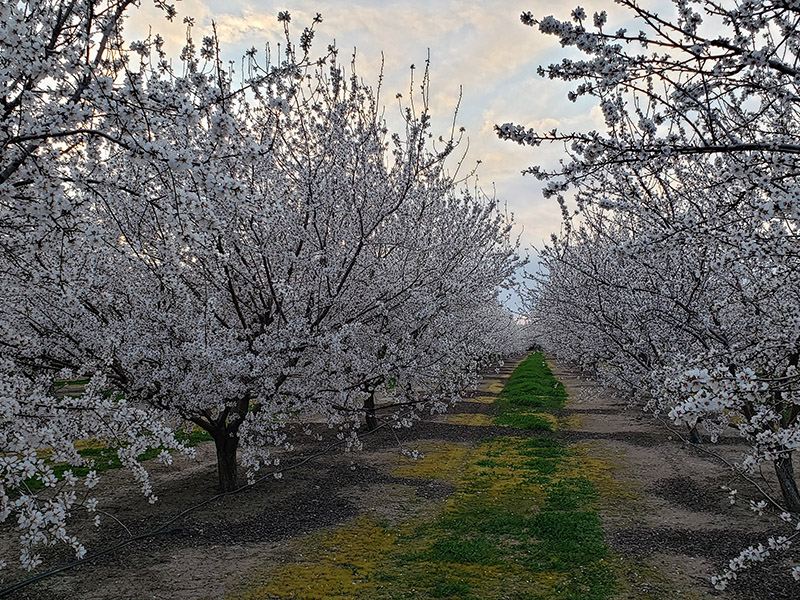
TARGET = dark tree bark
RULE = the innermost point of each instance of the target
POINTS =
(227, 444)
(224, 429)
(695, 436)
(369, 407)
(785, 472)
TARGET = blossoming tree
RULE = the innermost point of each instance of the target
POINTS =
(236, 257)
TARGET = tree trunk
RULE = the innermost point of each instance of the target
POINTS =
(785, 473)
(227, 466)
(369, 405)
(695, 436)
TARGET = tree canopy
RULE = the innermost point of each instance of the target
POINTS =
(239, 257)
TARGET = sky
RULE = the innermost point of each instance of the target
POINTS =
(478, 49)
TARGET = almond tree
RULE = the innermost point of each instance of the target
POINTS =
(53, 62)
(239, 257)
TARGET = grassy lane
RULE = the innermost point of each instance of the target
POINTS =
(521, 522)
(530, 396)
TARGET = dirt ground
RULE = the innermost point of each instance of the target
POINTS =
(681, 526)
(674, 530)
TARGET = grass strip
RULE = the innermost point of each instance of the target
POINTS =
(530, 397)
(104, 457)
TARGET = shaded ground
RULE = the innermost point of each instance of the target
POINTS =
(667, 523)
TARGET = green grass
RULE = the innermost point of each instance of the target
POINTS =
(194, 437)
(545, 524)
(448, 589)
(570, 494)
(533, 385)
(478, 549)
(488, 462)
(105, 457)
(544, 466)
(565, 540)
(541, 532)
(559, 534)
(522, 523)
(544, 452)
(532, 388)
(521, 420)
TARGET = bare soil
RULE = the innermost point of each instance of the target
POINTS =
(676, 529)
(681, 527)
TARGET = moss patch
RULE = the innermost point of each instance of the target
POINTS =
(343, 562)
(476, 420)
(437, 461)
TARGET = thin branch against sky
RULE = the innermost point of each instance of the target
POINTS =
(478, 47)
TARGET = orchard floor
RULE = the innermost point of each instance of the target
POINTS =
(331, 527)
